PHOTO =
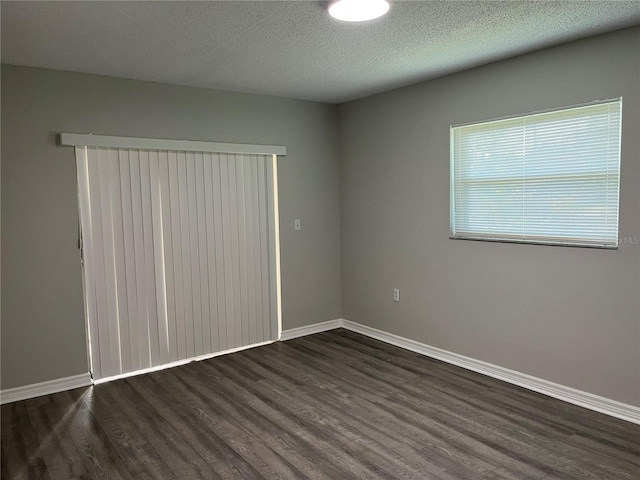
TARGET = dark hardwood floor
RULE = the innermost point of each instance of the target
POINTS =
(330, 406)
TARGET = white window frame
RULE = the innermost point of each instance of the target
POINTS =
(465, 226)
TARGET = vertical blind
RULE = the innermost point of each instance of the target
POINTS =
(549, 177)
(178, 252)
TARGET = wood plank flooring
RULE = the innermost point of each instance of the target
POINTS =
(331, 406)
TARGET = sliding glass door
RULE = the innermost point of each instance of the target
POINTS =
(179, 253)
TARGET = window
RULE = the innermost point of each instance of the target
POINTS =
(548, 178)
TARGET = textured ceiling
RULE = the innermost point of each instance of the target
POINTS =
(292, 48)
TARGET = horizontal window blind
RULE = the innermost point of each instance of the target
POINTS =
(178, 254)
(550, 178)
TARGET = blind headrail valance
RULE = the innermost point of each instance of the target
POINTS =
(106, 141)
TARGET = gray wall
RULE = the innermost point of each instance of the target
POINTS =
(568, 315)
(43, 332)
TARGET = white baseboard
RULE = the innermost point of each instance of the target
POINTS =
(604, 405)
(311, 329)
(44, 388)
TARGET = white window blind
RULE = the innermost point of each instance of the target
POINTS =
(179, 254)
(550, 178)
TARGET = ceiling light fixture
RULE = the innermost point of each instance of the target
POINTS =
(358, 10)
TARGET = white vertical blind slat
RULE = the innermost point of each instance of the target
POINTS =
(160, 326)
(185, 242)
(194, 270)
(250, 262)
(257, 269)
(167, 250)
(113, 321)
(84, 199)
(210, 250)
(119, 259)
(242, 250)
(219, 242)
(149, 259)
(143, 348)
(228, 336)
(264, 244)
(272, 223)
(128, 255)
(203, 254)
(176, 238)
(103, 350)
(234, 213)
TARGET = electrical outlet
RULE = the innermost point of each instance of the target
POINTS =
(396, 295)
